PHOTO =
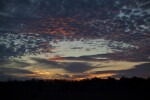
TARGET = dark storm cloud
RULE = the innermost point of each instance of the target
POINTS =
(3, 62)
(14, 63)
(22, 64)
(46, 62)
(14, 71)
(77, 67)
(71, 67)
(77, 48)
(138, 71)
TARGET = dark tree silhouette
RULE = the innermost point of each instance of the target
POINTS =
(87, 89)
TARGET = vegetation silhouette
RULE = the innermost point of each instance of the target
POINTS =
(87, 89)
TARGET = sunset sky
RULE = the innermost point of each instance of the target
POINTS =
(74, 39)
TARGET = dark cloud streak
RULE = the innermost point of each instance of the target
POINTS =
(141, 70)
(71, 67)
(13, 73)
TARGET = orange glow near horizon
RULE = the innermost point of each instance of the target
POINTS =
(51, 75)
(103, 76)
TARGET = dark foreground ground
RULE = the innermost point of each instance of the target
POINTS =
(94, 89)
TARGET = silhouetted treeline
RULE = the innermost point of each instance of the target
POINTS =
(88, 89)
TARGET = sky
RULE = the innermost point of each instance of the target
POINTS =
(74, 39)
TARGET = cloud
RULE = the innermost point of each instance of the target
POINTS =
(72, 20)
(80, 58)
(131, 55)
(17, 45)
(71, 67)
(12, 70)
(53, 64)
(14, 73)
(16, 64)
(28, 27)
(3, 62)
(138, 71)
(76, 67)
(21, 64)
